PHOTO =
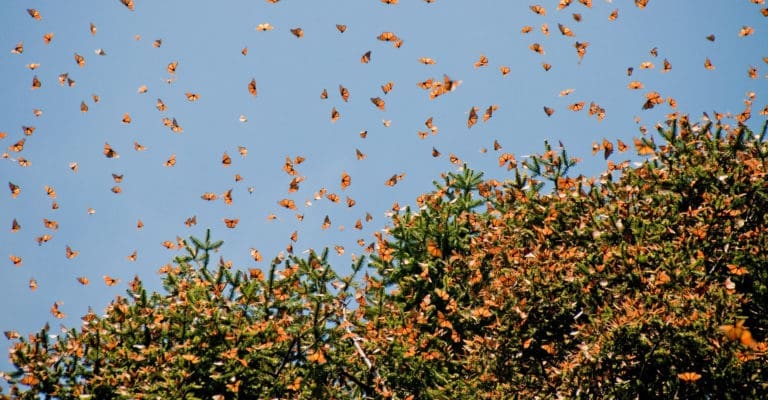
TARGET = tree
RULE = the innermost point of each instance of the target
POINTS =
(649, 284)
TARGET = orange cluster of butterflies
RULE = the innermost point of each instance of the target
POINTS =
(434, 87)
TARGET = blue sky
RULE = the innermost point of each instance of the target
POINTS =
(288, 118)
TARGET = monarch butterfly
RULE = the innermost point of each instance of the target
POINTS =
(504, 70)
(238, 178)
(454, 159)
(526, 29)
(378, 102)
(55, 310)
(16, 260)
(231, 223)
(192, 96)
(387, 37)
(366, 58)
(244, 51)
(126, 118)
(317, 355)
(109, 280)
(264, 27)
(614, 14)
(344, 93)
(752, 72)
(435, 152)
(346, 180)
(18, 146)
(389, 1)
(287, 203)
(341, 28)
(252, 87)
(738, 333)
(482, 61)
(621, 146)
(635, 85)
(689, 377)
(227, 197)
(392, 181)
(43, 239)
(50, 224)
(15, 227)
(168, 245)
(545, 29)
(652, 99)
(209, 196)
(189, 222)
(326, 223)
(537, 9)
(507, 158)
(433, 249)
(34, 14)
(128, 3)
(171, 68)
(641, 3)
(427, 61)
(363, 134)
(18, 49)
(132, 256)
(109, 152)
(565, 31)
(546, 66)
(489, 112)
(646, 65)
(711, 38)
(496, 145)
(138, 147)
(746, 31)
(298, 32)
(587, 3)
(548, 111)
(359, 154)
(36, 83)
(324, 94)
(350, 202)
(226, 160)
(335, 115)
(171, 161)
(708, 64)
(71, 253)
(472, 119)
(139, 224)
(576, 106)
(537, 48)
(581, 49)
(80, 60)
(387, 87)
(83, 280)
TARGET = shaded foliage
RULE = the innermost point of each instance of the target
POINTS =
(645, 282)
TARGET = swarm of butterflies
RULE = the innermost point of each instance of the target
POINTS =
(433, 88)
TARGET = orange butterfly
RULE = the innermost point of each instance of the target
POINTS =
(641, 3)
(55, 310)
(507, 158)
(350, 202)
(264, 27)
(387, 87)
(318, 356)
(34, 14)
(378, 102)
(548, 111)
(108, 280)
(32, 284)
(138, 147)
(545, 29)
(192, 96)
(537, 9)
(48, 37)
(50, 224)
(80, 60)
(708, 64)
(324, 94)
(171, 68)
(256, 255)
(565, 30)
(366, 58)
(16, 260)
(326, 223)
(689, 377)
(18, 146)
(537, 48)
(109, 152)
(635, 85)
(576, 106)
(387, 37)
(231, 223)
(126, 118)
(171, 161)
(739, 333)
(160, 105)
(346, 180)
(209, 196)
(227, 197)
(298, 32)
(359, 154)
(157, 43)
(435, 152)
(36, 83)
(252, 87)
(70, 253)
(526, 29)
(489, 112)
(139, 224)
(128, 3)
(581, 49)
(472, 119)
(482, 61)
(189, 222)
(496, 145)
(43, 239)
(504, 70)
(18, 49)
(288, 203)
(341, 28)
(546, 66)
(15, 227)
(614, 14)
(746, 31)
(426, 61)
(344, 93)
(244, 51)
(132, 256)
(226, 159)
(335, 115)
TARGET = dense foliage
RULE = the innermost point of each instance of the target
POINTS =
(648, 281)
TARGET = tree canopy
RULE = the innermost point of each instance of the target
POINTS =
(648, 281)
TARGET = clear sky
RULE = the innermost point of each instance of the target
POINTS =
(288, 118)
